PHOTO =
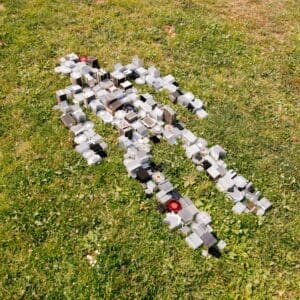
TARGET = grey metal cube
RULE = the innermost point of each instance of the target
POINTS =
(194, 241)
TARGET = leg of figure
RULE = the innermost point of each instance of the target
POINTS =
(86, 141)
(236, 187)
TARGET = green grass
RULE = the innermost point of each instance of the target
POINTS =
(54, 210)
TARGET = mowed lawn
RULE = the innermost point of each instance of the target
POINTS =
(242, 59)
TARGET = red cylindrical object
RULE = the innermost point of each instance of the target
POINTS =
(174, 206)
(83, 58)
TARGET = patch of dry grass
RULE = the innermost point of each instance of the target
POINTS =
(169, 30)
(262, 19)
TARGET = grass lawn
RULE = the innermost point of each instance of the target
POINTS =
(242, 58)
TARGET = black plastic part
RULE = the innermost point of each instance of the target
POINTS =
(154, 167)
(190, 106)
(179, 126)
(154, 139)
(128, 134)
(98, 150)
(93, 62)
(206, 164)
(142, 175)
(175, 195)
(143, 98)
(128, 107)
(134, 75)
(214, 251)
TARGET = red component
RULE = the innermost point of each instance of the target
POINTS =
(83, 58)
(174, 206)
